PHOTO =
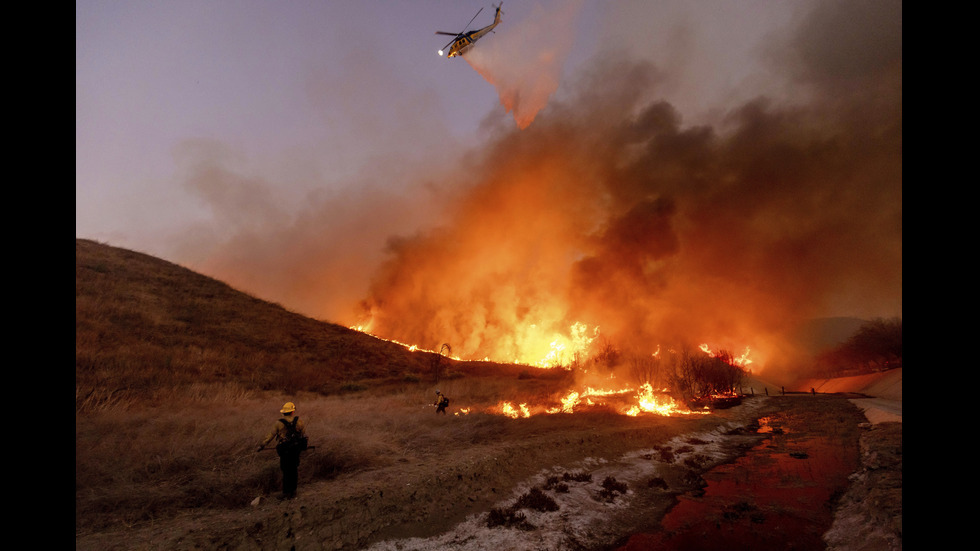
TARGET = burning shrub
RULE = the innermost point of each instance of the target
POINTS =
(702, 374)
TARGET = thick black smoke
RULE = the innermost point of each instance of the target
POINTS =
(609, 212)
(609, 219)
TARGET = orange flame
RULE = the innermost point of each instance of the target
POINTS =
(662, 405)
(558, 352)
(740, 361)
(646, 402)
(506, 408)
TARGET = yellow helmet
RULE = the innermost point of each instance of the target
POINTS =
(288, 407)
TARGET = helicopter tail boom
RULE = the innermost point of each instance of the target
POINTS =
(496, 17)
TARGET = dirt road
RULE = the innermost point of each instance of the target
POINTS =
(617, 476)
(786, 492)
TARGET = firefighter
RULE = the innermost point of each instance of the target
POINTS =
(441, 403)
(283, 433)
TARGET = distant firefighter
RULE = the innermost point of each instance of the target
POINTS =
(441, 403)
(290, 436)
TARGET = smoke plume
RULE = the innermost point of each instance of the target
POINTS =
(609, 214)
(609, 220)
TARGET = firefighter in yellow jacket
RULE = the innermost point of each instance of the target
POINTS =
(282, 433)
(441, 403)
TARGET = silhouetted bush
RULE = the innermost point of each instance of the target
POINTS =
(610, 488)
(508, 517)
(537, 500)
(580, 476)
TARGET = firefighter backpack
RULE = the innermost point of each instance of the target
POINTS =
(294, 441)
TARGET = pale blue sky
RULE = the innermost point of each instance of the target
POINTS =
(304, 94)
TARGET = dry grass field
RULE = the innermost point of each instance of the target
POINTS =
(177, 376)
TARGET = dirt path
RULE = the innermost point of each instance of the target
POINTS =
(780, 495)
(638, 468)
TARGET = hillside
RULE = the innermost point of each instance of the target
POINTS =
(143, 325)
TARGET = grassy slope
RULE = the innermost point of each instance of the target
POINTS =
(144, 326)
(178, 377)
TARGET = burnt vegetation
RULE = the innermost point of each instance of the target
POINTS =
(702, 374)
(684, 370)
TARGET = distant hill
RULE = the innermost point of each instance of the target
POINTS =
(144, 325)
(821, 334)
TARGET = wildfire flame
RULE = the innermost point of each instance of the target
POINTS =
(741, 361)
(560, 349)
(647, 401)
(661, 405)
(506, 408)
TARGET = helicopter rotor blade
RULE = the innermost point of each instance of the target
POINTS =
(449, 34)
(471, 21)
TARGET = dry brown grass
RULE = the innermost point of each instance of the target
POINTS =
(178, 377)
(137, 464)
(144, 326)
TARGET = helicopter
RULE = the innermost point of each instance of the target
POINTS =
(464, 40)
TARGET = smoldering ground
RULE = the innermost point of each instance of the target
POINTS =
(609, 213)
